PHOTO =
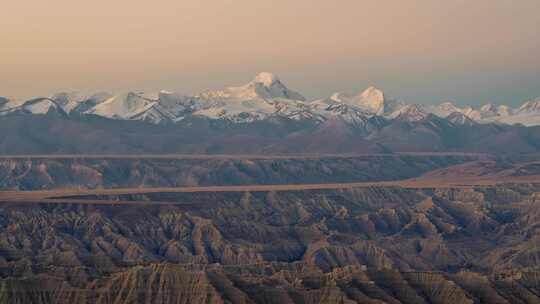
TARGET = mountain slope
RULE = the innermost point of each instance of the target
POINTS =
(57, 132)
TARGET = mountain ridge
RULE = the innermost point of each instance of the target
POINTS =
(263, 97)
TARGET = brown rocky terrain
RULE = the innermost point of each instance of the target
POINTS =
(90, 172)
(369, 244)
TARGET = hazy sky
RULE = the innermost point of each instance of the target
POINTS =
(422, 51)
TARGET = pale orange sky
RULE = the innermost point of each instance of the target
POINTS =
(424, 51)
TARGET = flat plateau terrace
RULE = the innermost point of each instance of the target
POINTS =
(63, 195)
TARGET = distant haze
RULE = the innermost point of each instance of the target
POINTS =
(422, 51)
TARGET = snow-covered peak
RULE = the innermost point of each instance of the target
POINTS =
(531, 106)
(167, 97)
(490, 112)
(90, 102)
(268, 86)
(267, 79)
(489, 107)
(6, 104)
(472, 113)
(445, 109)
(176, 104)
(373, 94)
(41, 106)
(124, 106)
(68, 100)
(411, 113)
(330, 108)
(263, 97)
(527, 114)
(263, 87)
(371, 100)
(38, 105)
(504, 110)
(459, 118)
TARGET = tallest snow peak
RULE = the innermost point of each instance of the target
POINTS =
(268, 85)
(372, 99)
(373, 94)
(267, 79)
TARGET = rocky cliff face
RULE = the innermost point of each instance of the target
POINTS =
(361, 245)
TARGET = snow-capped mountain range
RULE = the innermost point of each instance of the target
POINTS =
(263, 97)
